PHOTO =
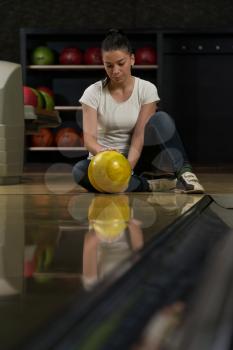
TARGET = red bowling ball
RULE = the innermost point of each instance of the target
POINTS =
(145, 55)
(93, 56)
(71, 55)
(29, 96)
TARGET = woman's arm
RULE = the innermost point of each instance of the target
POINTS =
(90, 129)
(137, 140)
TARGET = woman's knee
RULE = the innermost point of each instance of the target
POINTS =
(163, 119)
(80, 170)
(163, 125)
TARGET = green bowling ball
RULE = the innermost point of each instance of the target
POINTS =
(43, 55)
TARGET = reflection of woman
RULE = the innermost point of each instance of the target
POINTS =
(112, 237)
(117, 112)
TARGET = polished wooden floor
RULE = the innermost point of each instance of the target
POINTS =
(57, 240)
(45, 205)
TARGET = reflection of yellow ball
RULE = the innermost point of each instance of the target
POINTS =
(109, 171)
(109, 216)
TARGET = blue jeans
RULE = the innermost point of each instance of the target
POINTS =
(160, 132)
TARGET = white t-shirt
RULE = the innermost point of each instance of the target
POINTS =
(116, 120)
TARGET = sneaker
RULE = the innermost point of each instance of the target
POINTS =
(188, 183)
(173, 204)
(162, 185)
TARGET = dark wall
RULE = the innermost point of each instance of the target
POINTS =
(101, 14)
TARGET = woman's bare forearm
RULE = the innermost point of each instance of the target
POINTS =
(135, 148)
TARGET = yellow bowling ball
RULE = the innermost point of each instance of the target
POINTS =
(109, 216)
(109, 171)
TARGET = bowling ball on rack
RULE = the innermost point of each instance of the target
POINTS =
(109, 171)
(93, 55)
(68, 137)
(40, 99)
(49, 102)
(145, 55)
(45, 89)
(70, 55)
(43, 55)
(29, 96)
(44, 138)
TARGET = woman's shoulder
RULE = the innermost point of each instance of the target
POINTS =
(142, 83)
(92, 94)
(95, 87)
(147, 91)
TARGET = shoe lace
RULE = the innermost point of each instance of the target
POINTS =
(190, 177)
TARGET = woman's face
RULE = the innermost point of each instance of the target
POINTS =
(118, 64)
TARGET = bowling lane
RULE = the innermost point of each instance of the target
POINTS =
(57, 248)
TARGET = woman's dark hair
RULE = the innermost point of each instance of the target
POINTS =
(116, 40)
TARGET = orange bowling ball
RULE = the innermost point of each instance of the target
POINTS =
(110, 172)
(68, 137)
(44, 138)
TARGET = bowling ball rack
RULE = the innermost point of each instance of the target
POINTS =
(168, 269)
